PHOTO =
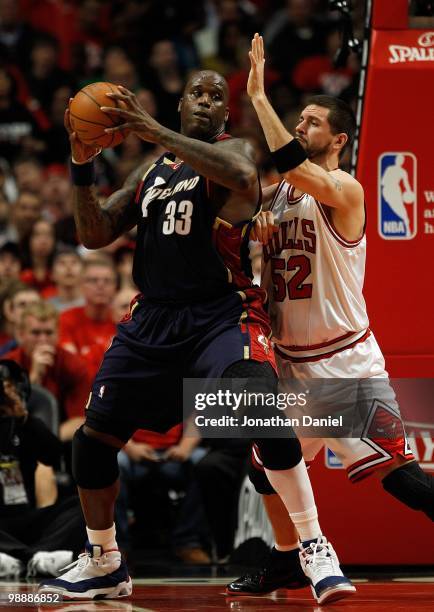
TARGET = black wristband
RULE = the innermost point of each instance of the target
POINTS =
(82, 175)
(289, 156)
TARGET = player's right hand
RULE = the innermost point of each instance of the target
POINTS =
(264, 227)
(81, 152)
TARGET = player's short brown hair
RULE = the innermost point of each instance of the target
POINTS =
(341, 116)
(43, 311)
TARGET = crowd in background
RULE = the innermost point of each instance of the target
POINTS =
(59, 302)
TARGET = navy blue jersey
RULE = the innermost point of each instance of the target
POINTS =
(184, 253)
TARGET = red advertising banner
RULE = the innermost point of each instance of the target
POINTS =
(396, 168)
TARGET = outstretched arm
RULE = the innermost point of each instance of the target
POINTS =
(337, 189)
(227, 163)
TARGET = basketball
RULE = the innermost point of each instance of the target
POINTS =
(89, 121)
(408, 197)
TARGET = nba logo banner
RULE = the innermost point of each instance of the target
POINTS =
(397, 196)
(331, 460)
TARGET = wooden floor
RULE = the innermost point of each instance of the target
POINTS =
(208, 595)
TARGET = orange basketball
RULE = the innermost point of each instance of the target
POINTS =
(89, 121)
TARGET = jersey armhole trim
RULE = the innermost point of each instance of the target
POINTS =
(278, 190)
(349, 244)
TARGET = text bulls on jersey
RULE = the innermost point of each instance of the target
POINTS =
(295, 234)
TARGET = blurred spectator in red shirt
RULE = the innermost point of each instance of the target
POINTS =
(16, 299)
(316, 74)
(38, 254)
(66, 274)
(52, 367)
(89, 329)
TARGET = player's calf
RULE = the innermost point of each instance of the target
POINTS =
(412, 486)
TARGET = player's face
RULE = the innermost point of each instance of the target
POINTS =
(203, 106)
(313, 131)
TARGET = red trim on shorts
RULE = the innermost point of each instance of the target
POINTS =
(372, 468)
(255, 464)
(324, 355)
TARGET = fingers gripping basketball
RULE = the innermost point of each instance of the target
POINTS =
(88, 120)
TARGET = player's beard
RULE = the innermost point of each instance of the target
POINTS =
(317, 153)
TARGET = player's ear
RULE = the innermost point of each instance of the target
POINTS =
(180, 104)
(341, 140)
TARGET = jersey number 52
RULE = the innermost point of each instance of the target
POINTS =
(295, 288)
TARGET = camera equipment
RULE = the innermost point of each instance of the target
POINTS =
(10, 370)
(349, 44)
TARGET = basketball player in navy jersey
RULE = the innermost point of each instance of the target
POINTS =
(197, 315)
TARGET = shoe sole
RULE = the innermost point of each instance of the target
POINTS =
(334, 594)
(258, 593)
(123, 589)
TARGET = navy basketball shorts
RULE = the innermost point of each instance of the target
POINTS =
(140, 382)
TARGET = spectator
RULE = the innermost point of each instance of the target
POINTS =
(43, 74)
(25, 212)
(18, 128)
(88, 330)
(29, 174)
(10, 262)
(66, 274)
(16, 299)
(168, 458)
(15, 34)
(166, 81)
(58, 148)
(316, 74)
(121, 302)
(300, 35)
(56, 193)
(51, 366)
(123, 258)
(39, 253)
(42, 538)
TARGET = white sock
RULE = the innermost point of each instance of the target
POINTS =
(106, 538)
(294, 489)
(286, 547)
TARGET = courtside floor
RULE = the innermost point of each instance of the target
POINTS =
(207, 595)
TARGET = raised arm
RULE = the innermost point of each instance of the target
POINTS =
(227, 163)
(334, 188)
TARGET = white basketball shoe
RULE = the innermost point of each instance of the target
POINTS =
(9, 566)
(321, 565)
(96, 574)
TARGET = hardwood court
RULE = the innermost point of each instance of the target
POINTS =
(207, 595)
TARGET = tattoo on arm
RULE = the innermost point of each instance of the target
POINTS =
(98, 225)
(337, 184)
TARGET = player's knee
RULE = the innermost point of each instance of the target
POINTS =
(413, 487)
(94, 463)
(259, 480)
(279, 453)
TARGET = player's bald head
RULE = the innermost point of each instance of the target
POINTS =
(210, 76)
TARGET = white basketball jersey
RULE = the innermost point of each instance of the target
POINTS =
(314, 278)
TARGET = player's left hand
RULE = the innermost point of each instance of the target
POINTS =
(264, 227)
(135, 118)
(176, 453)
(255, 83)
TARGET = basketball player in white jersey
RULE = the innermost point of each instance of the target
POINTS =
(314, 269)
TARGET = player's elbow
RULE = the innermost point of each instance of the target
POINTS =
(246, 179)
